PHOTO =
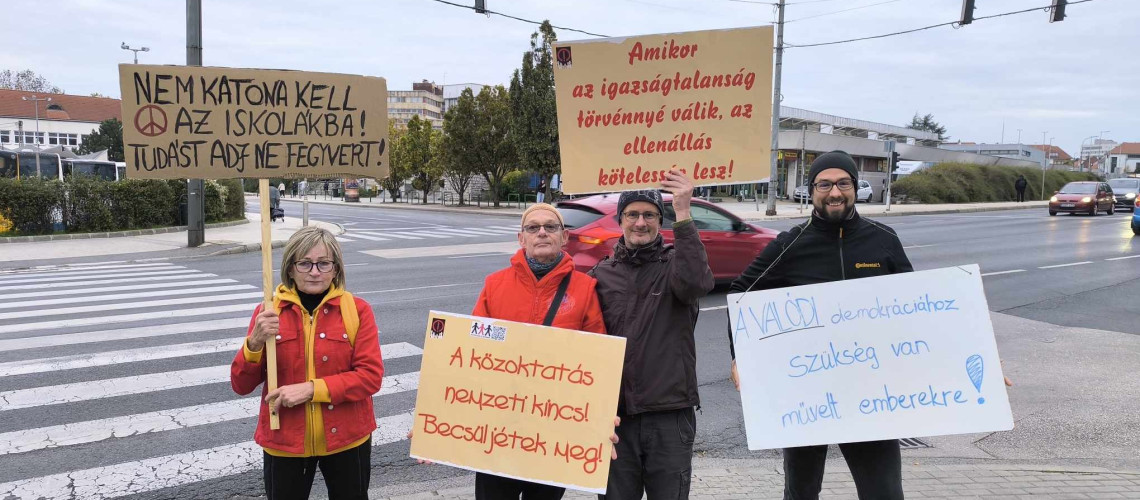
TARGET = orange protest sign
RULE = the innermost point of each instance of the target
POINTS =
(629, 109)
(512, 399)
(217, 123)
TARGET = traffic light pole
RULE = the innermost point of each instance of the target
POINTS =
(195, 188)
(774, 172)
(890, 171)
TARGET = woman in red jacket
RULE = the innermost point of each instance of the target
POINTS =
(328, 368)
(525, 292)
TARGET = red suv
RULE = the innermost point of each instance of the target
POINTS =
(731, 243)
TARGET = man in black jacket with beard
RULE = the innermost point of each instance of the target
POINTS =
(835, 244)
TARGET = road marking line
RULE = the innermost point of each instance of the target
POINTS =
(426, 234)
(124, 318)
(366, 236)
(499, 254)
(92, 431)
(714, 308)
(1065, 265)
(402, 236)
(512, 228)
(139, 384)
(449, 233)
(124, 334)
(123, 296)
(492, 230)
(122, 288)
(151, 304)
(1125, 257)
(118, 357)
(188, 274)
(444, 251)
(171, 470)
(62, 271)
(995, 273)
(918, 246)
(420, 288)
(344, 240)
(165, 271)
(477, 232)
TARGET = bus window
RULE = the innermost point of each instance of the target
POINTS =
(103, 170)
(49, 165)
(7, 165)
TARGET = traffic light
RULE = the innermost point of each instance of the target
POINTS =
(894, 161)
(968, 12)
(1057, 12)
(480, 6)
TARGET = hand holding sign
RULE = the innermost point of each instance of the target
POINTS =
(678, 183)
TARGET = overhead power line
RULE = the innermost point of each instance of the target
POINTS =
(951, 23)
(508, 16)
(841, 11)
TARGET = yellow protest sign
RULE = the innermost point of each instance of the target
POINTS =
(216, 123)
(629, 109)
(524, 401)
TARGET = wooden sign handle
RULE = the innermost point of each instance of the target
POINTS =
(267, 289)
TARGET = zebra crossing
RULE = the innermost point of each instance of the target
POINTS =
(98, 359)
(424, 233)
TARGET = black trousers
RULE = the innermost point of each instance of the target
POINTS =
(655, 456)
(346, 474)
(876, 467)
(492, 487)
(1020, 195)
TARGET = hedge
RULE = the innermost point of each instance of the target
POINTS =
(86, 204)
(967, 183)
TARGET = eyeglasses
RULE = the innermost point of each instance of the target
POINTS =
(324, 266)
(649, 216)
(825, 186)
(550, 228)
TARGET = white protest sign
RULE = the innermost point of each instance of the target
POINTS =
(889, 357)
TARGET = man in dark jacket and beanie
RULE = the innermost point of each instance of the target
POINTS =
(649, 293)
(1020, 184)
(835, 244)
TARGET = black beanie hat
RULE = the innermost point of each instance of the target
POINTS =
(834, 159)
(647, 195)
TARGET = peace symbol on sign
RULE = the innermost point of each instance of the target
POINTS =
(154, 121)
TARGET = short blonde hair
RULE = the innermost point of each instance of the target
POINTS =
(301, 243)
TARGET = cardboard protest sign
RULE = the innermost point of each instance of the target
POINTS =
(629, 109)
(524, 401)
(216, 123)
(895, 356)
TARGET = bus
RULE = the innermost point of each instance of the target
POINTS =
(104, 170)
(25, 164)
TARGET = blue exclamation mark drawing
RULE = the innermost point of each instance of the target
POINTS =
(975, 368)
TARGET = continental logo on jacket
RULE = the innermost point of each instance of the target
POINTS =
(866, 265)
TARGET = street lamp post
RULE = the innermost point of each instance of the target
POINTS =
(36, 102)
(1085, 158)
(1104, 152)
(1044, 165)
(136, 51)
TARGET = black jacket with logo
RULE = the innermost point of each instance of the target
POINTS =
(650, 296)
(818, 251)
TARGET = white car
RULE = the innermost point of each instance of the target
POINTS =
(801, 194)
(865, 192)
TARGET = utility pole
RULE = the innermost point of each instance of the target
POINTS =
(36, 102)
(195, 188)
(774, 171)
(1044, 165)
(136, 51)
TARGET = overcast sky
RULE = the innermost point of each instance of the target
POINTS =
(1072, 79)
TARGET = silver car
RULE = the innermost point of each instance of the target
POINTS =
(865, 192)
(801, 194)
(1125, 190)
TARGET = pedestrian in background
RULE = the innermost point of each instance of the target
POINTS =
(541, 195)
(1020, 184)
(328, 368)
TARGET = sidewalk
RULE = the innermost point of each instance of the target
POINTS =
(725, 479)
(745, 210)
(238, 238)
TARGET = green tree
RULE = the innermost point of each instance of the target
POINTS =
(462, 152)
(493, 105)
(27, 80)
(928, 124)
(109, 136)
(397, 172)
(534, 116)
(417, 156)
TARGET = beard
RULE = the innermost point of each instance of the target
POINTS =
(834, 215)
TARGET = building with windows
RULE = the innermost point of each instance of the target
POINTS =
(424, 100)
(1028, 152)
(1058, 158)
(1094, 155)
(1123, 160)
(64, 121)
(451, 93)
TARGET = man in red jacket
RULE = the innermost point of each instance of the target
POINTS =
(525, 292)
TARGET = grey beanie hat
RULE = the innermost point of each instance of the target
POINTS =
(647, 195)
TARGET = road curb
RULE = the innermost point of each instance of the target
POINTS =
(113, 234)
(902, 213)
(256, 247)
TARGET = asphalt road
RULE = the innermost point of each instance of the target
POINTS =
(1065, 270)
